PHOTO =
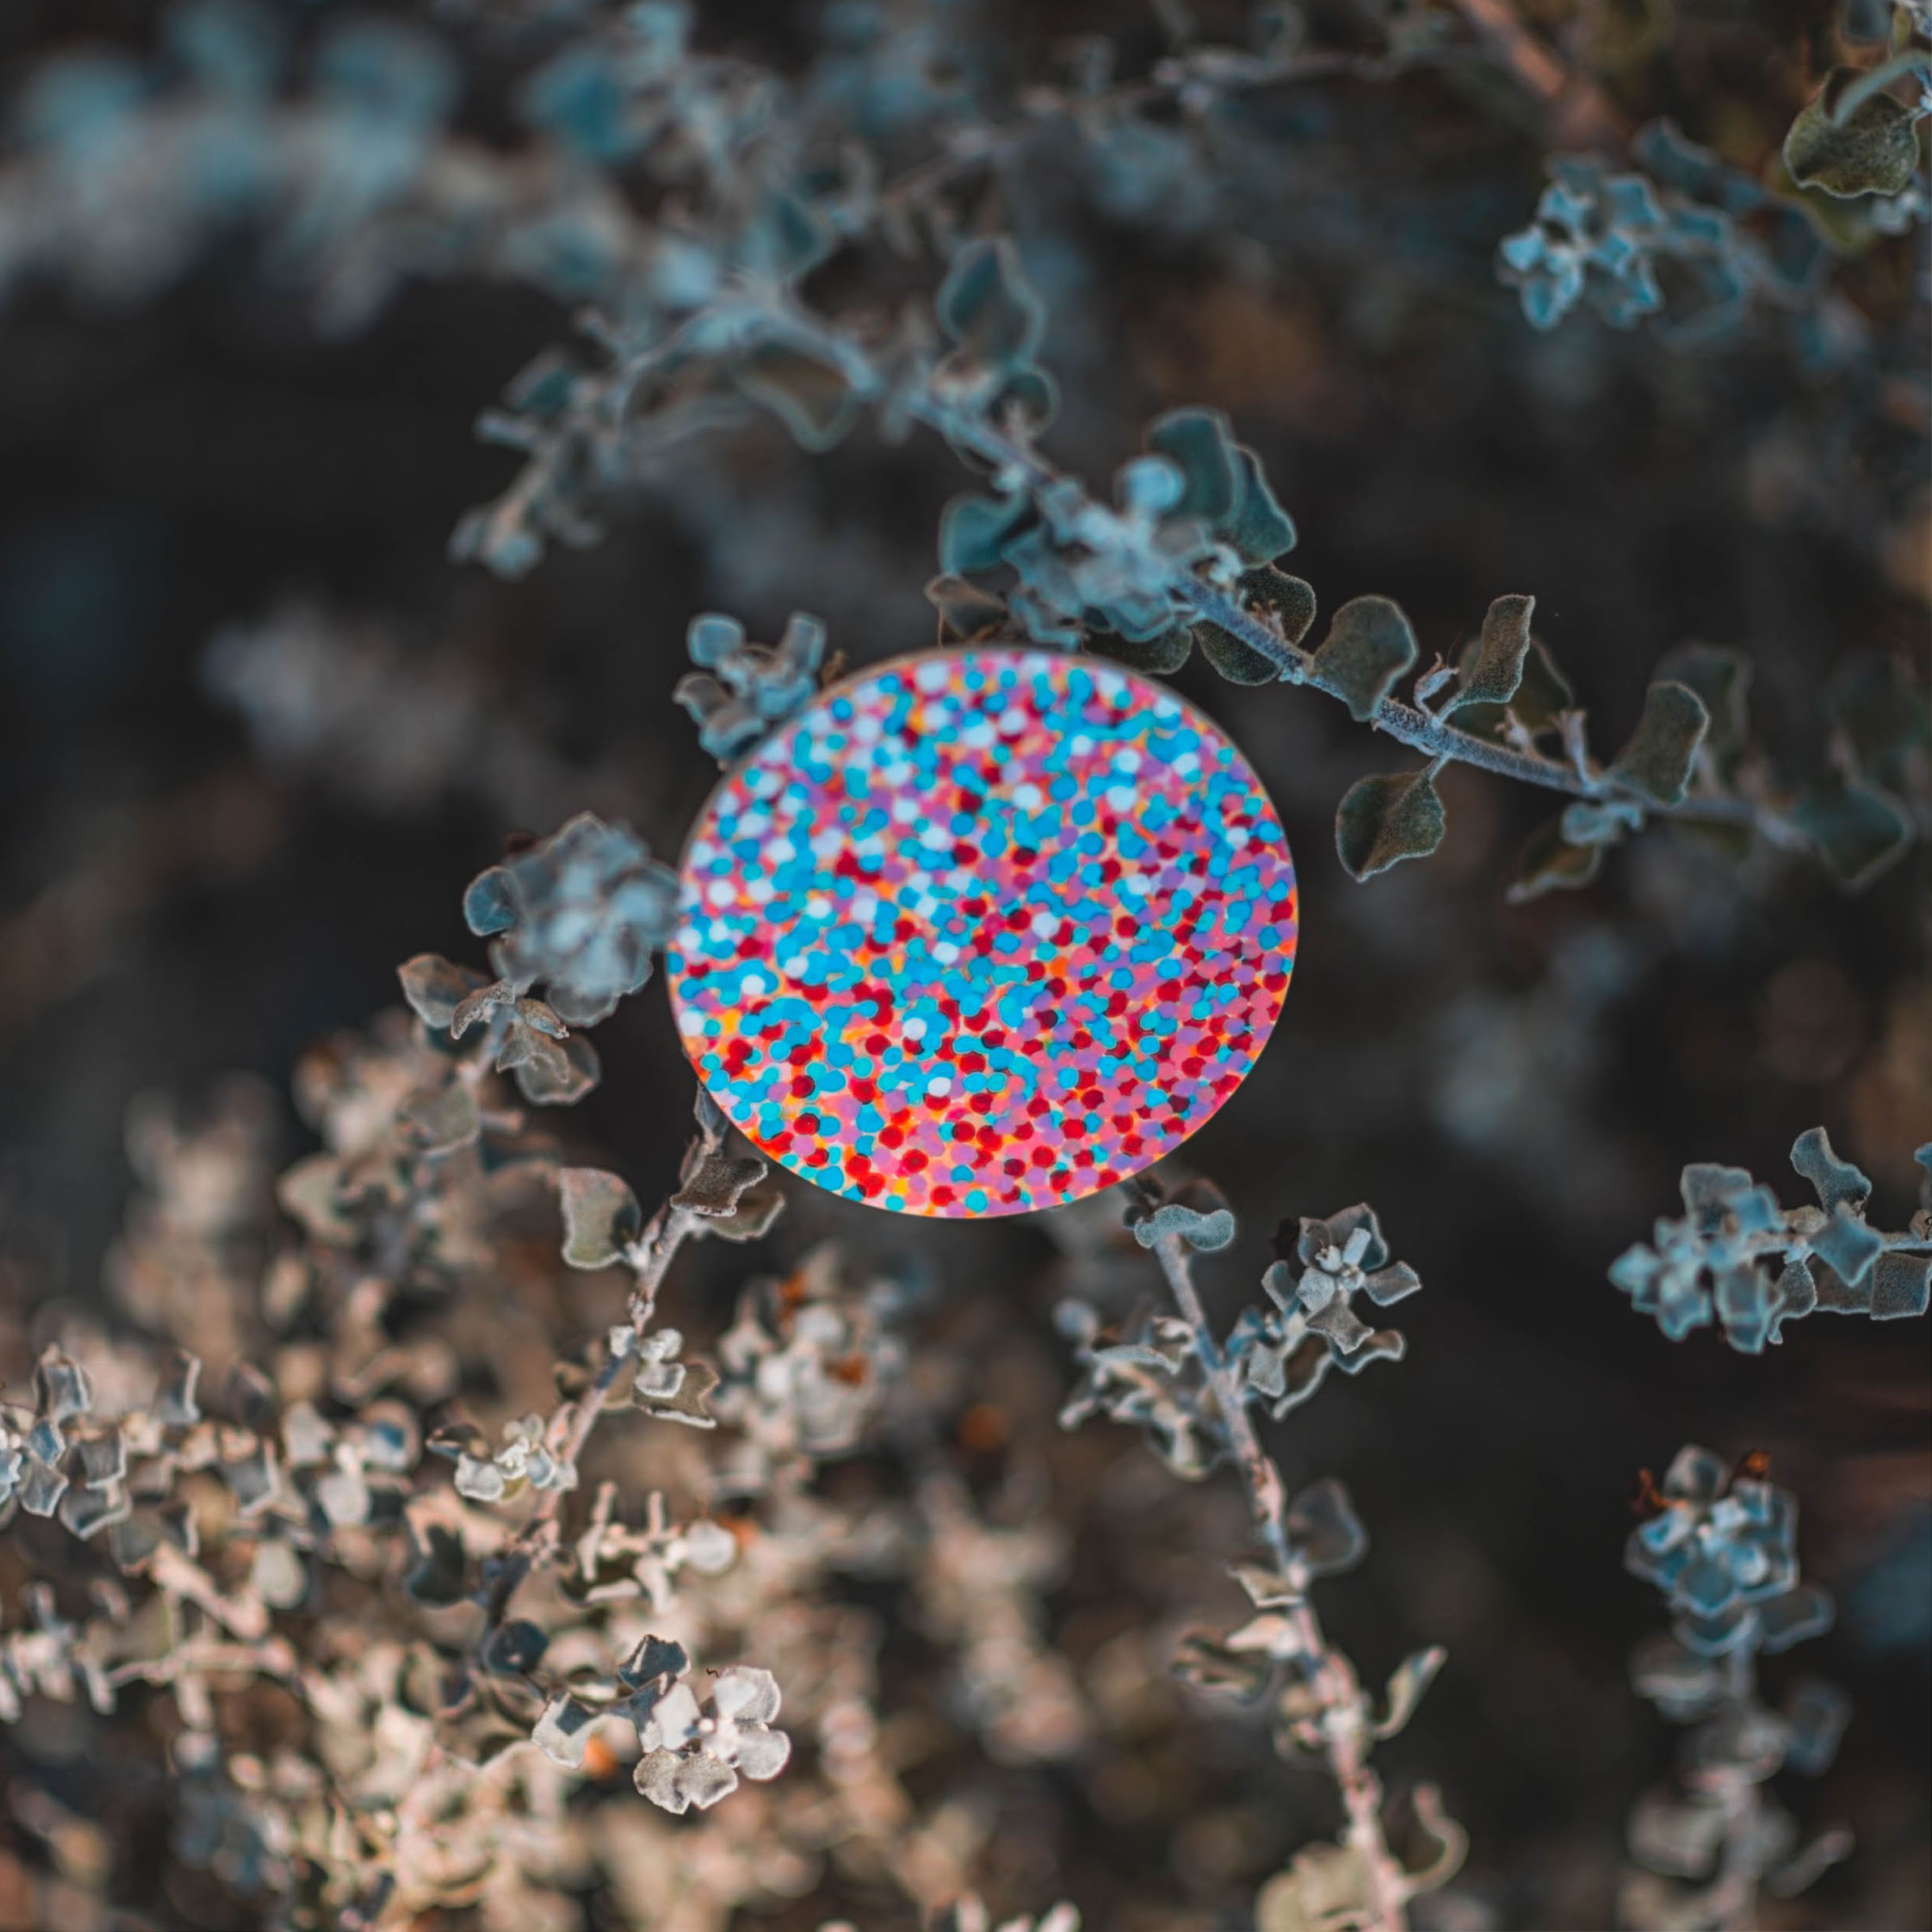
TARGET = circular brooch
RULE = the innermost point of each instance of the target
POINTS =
(982, 930)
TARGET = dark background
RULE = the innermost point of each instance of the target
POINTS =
(1514, 1088)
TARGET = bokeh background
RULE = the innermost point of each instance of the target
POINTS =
(257, 731)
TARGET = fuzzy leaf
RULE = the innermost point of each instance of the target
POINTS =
(1205, 1232)
(564, 1730)
(1817, 1713)
(437, 1575)
(1369, 645)
(562, 1077)
(986, 306)
(1495, 672)
(1722, 679)
(974, 530)
(1199, 444)
(1884, 717)
(437, 1120)
(1382, 821)
(1291, 601)
(489, 903)
(1257, 530)
(716, 1184)
(1656, 762)
(1836, 1182)
(601, 1217)
(1542, 697)
(1873, 150)
(1901, 1286)
(810, 396)
(1238, 662)
(1857, 831)
(1162, 654)
(1409, 1680)
(967, 613)
(1551, 864)
(1326, 1889)
(1323, 1531)
(1848, 1246)
(435, 987)
(1209, 1665)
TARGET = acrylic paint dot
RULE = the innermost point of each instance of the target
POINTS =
(982, 931)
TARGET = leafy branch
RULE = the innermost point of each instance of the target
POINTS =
(1719, 1258)
(1185, 556)
(1192, 1392)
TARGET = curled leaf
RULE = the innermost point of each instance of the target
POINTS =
(1408, 1683)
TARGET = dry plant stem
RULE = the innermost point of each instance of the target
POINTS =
(1346, 1727)
(650, 1257)
(1732, 1901)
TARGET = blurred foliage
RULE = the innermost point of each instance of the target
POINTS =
(1617, 308)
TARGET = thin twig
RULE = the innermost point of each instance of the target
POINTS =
(1347, 1730)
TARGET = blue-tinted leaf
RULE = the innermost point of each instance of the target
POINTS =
(1816, 1713)
(515, 1649)
(1848, 1245)
(489, 905)
(1198, 443)
(974, 532)
(1837, 1182)
(1205, 1232)
(986, 306)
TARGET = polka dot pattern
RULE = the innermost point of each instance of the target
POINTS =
(982, 931)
